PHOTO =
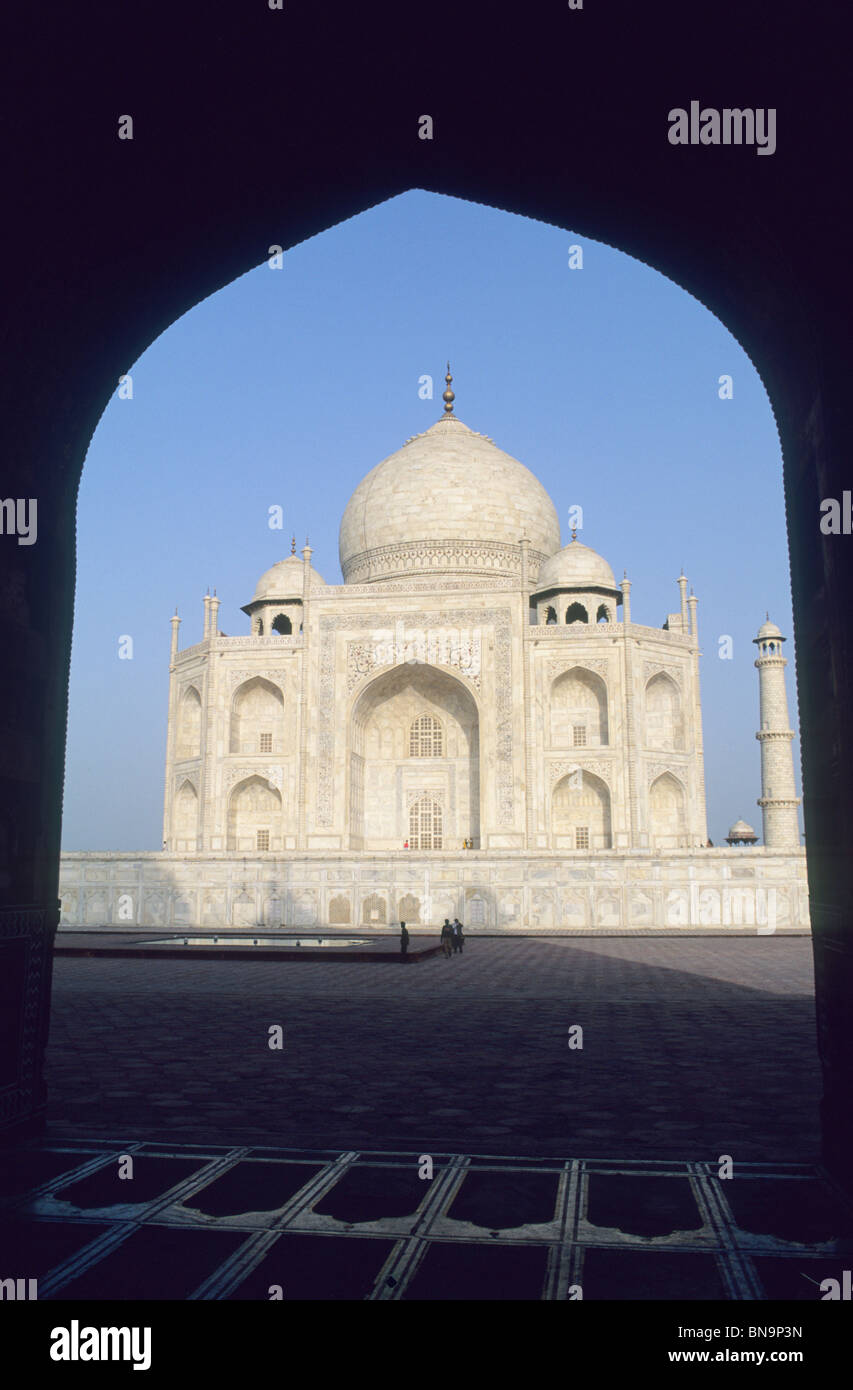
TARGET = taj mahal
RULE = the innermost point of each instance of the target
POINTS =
(472, 724)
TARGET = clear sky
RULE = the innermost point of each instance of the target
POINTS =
(289, 385)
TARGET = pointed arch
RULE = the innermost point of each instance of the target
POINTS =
(414, 732)
(664, 713)
(185, 818)
(281, 625)
(667, 815)
(188, 744)
(577, 613)
(257, 717)
(254, 816)
(578, 710)
(580, 812)
(426, 824)
(426, 737)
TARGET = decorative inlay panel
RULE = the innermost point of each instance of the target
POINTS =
(445, 648)
(286, 642)
(601, 667)
(563, 768)
(236, 677)
(654, 668)
(655, 770)
(446, 556)
(434, 794)
(274, 775)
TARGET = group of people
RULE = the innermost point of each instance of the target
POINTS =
(452, 939)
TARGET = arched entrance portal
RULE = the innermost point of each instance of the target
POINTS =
(414, 762)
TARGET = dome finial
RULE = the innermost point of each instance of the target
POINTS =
(448, 396)
(574, 533)
(293, 545)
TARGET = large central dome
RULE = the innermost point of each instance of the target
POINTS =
(448, 502)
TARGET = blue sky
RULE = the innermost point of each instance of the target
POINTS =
(287, 386)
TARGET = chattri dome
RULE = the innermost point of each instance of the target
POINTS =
(741, 833)
(576, 566)
(284, 580)
(450, 501)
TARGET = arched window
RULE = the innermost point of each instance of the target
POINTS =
(426, 738)
(603, 614)
(551, 616)
(576, 613)
(425, 824)
(282, 625)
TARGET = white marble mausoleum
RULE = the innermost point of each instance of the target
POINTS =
(472, 723)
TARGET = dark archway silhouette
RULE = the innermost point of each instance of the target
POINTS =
(227, 160)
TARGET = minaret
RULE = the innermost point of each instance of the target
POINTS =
(778, 801)
(176, 623)
(682, 585)
(214, 615)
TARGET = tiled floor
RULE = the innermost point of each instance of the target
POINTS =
(236, 1223)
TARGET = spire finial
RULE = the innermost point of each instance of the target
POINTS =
(767, 614)
(448, 396)
(293, 545)
(574, 534)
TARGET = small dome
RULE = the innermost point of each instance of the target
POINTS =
(284, 580)
(741, 831)
(575, 567)
(768, 629)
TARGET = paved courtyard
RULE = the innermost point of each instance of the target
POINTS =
(554, 1172)
(692, 1048)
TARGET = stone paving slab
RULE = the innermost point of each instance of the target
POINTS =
(691, 1049)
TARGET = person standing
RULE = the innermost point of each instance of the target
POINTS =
(447, 939)
(458, 938)
(404, 940)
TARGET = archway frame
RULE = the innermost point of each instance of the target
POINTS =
(376, 677)
(674, 211)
